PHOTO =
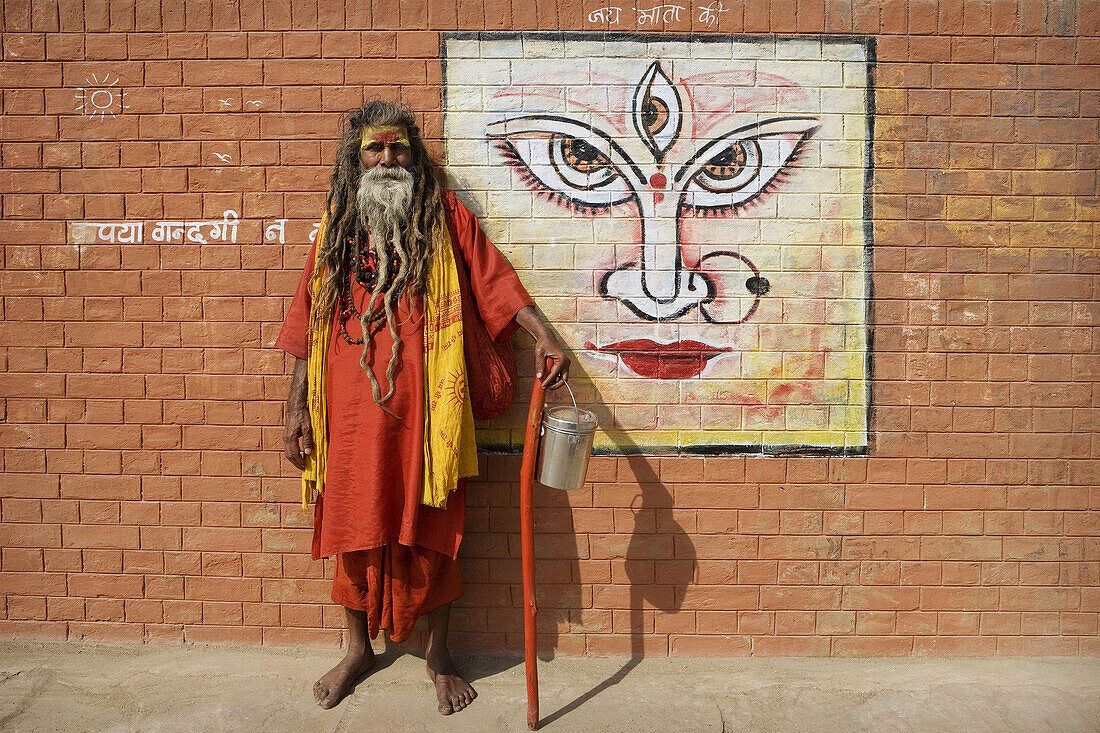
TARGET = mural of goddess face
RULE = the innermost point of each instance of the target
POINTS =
(692, 216)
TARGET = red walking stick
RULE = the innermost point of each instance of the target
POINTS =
(527, 543)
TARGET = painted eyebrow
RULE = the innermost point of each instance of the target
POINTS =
(750, 87)
(744, 128)
(557, 118)
(574, 89)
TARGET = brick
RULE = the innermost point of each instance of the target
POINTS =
(221, 539)
(92, 585)
(100, 536)
(881, 598)
(710, 646)
(799, 598)
(16, 74)
(790, 646)
(221, 73)
(319, 638)
(878, 646)
(222, 589)
(223, 635)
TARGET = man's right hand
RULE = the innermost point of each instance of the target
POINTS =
(297, 430)
(298, 436)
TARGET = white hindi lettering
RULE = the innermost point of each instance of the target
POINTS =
(168, 232)
(659, 13)
(227, 227)
(610, 14)
(194, 232)
(209, 231)
(313, 233)
(130, 232)
(277, 229)
(108, 231)
(171, 231)
(708, 14)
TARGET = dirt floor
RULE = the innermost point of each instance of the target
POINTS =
(53, 686)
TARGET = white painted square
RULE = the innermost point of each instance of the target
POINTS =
(691, 214)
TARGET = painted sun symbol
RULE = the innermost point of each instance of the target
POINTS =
(454, 388)
(100, 97)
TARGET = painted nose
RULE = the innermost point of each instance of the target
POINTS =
(628, 284)
(726, 286)
(658, 287)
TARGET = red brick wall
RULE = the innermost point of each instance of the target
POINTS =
(144, 494)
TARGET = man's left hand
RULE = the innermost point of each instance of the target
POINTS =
(549, 349)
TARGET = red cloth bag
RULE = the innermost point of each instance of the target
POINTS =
(490, 365)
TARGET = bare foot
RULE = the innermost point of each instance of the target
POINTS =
(337, 682)
(452, 692)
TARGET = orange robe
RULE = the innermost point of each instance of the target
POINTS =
(371, 500)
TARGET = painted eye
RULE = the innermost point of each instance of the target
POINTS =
(565, 161)
(657, 111)
(732, 169)
(580, 164)
(654, 115)
(737, 168)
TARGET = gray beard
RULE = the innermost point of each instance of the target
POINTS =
(384, 200)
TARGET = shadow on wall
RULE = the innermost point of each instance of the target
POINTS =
(650, 573)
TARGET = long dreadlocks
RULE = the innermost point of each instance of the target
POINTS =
(415, 247)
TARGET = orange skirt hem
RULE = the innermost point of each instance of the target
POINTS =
(394, 585)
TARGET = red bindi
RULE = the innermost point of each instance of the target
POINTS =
(658, 180)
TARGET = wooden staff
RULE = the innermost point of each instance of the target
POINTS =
(527, 543)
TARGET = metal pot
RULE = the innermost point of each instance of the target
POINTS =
(565, 444)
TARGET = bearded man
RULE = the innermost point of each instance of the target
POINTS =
(377, 316)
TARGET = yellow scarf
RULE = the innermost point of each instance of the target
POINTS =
(450, 451)
(313, 477)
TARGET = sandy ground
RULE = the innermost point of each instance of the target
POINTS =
(49, 686)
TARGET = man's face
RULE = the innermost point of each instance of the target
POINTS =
(385, 145)
(691, 217)
(386, 185)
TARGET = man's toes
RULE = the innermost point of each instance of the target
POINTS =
(326, 697)
(445, 708)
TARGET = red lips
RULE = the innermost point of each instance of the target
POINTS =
(677, 360)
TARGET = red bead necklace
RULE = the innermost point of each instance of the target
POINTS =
(363, 267)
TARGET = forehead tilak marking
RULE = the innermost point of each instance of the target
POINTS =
(383, 134)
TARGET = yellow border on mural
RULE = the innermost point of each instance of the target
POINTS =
(849, 429)
(687, 441)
